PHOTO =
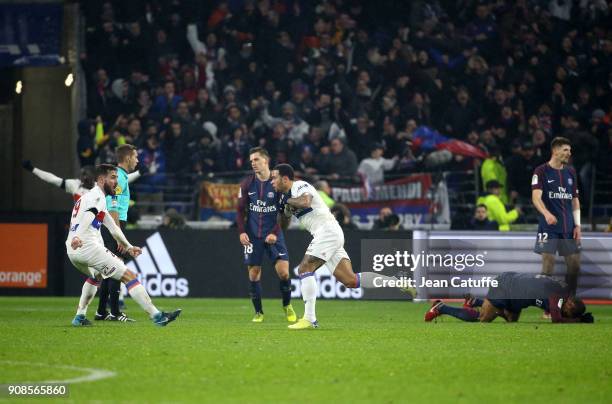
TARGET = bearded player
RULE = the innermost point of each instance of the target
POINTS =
(78, 187)
(555, 195)
(87, 253)
(302, 200)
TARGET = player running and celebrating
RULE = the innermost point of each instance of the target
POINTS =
(555, 196)
(260, 233)
(327, 246)
(87, 253)
(515, 292)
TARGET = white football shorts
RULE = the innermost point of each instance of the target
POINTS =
(328, 245)
(94, 259)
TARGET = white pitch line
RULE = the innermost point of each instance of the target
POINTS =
(91, 376)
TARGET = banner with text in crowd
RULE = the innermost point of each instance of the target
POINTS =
(218, 200)
(415, 199)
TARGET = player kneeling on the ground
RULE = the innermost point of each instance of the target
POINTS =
(514, 293)
(87, 253)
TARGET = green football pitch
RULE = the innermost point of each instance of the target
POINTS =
(363, 352)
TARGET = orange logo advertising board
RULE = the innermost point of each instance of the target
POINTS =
(23, 255)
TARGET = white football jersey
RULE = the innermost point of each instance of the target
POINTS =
(318, 214)
(95, 201)
(75, 188)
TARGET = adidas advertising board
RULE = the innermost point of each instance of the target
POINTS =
(157, 272)
(328, 286)
(210, 263)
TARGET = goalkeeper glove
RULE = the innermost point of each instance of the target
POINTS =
(27, 164)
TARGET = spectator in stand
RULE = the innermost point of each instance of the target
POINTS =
(206, 156)
(295, 126)
(172, 220)
(325, 192)
(461, 115)
(361, 136)
(373, 168)
(235, 151)
(493, 169)
(343, 216)
(481, 221)
(134, 131)
(496, 210)
(507, 70)
(306, 166)
(166, 103)
(203, 108)
(151, 156)
(393, 222)
(520, 168)
(85, 144)
(381, 222)
(175, 148)
(341, 161)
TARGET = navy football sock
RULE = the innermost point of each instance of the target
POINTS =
(464, 314)
(285, 289)
(114, 286)
(255, 292)
(103, 296)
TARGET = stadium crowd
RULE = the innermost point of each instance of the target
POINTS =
(338, 87)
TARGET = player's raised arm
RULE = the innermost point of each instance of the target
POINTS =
(133, 176)
(43, 175)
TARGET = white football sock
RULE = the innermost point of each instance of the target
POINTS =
(140, 295)
(87, 294)
(308, 286)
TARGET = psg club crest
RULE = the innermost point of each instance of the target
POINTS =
(271, 194)
(570, 181)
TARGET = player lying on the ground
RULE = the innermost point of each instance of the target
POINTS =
(302, 200)
(73, 186)
(87, 253)
(514, 293)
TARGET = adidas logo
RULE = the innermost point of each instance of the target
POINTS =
(156, 271)
(327, 285)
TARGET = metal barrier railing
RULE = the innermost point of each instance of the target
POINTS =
(181, 192)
